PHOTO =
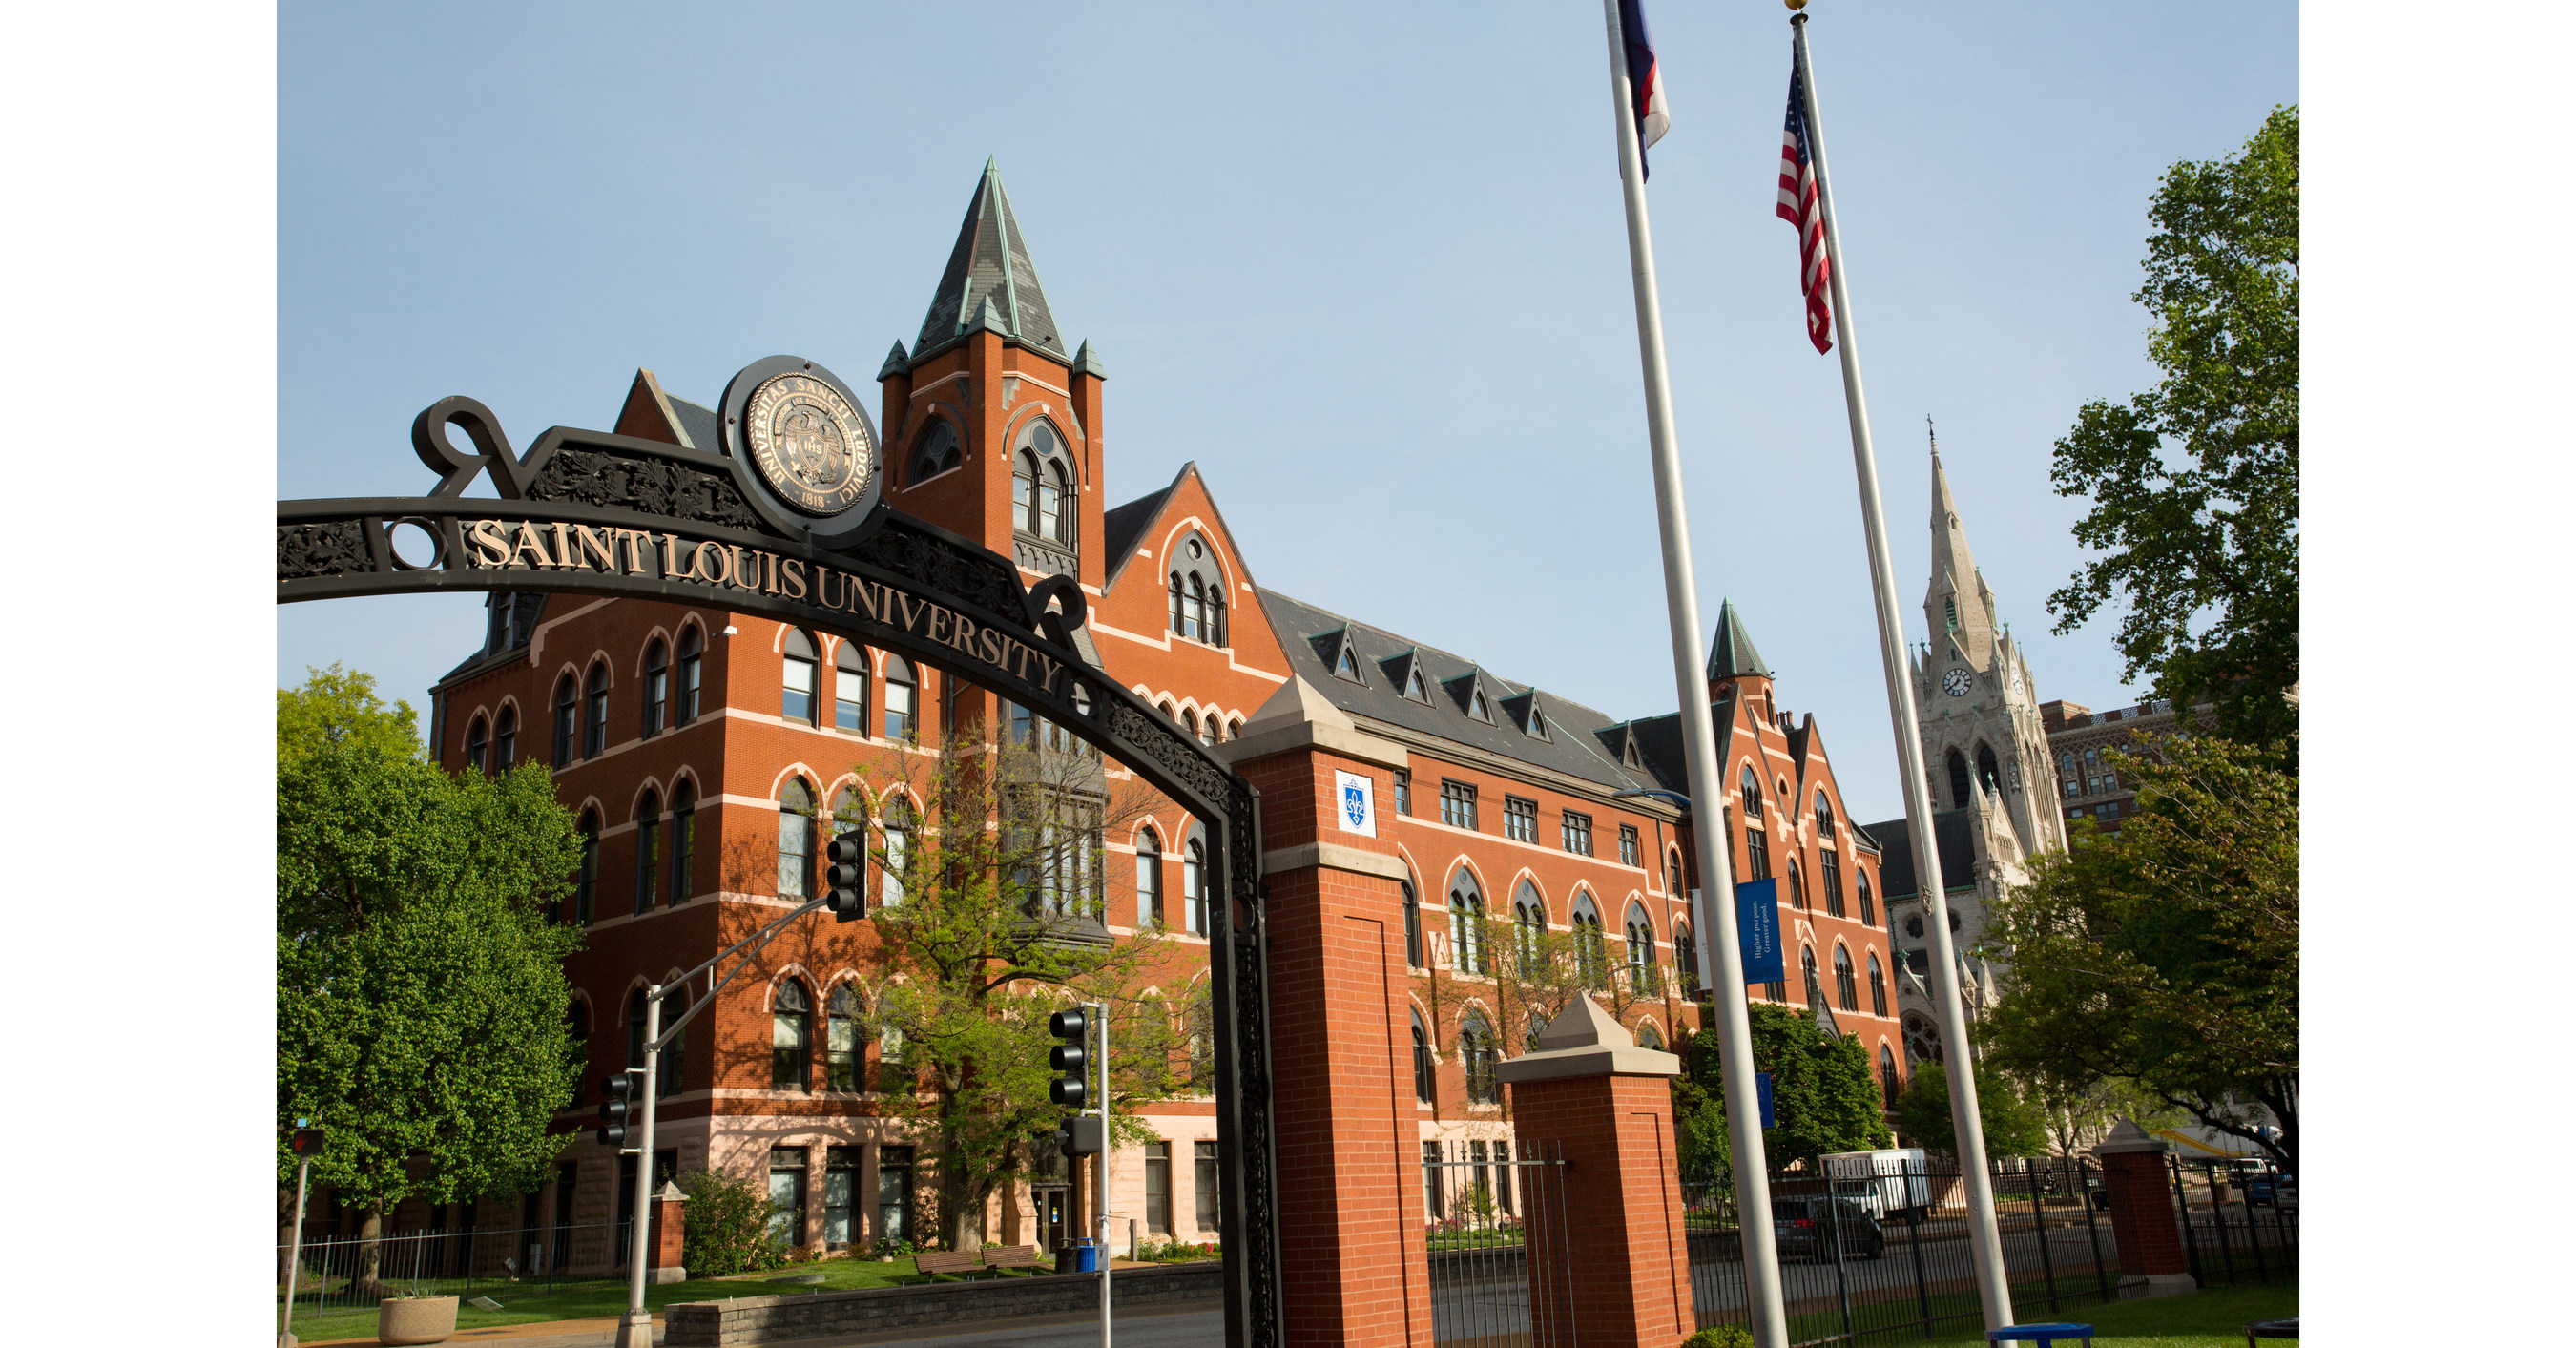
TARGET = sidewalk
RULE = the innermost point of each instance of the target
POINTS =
(539, 1334)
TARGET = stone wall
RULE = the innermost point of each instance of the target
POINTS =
(720, 1324)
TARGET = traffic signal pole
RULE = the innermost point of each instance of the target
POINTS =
(635, 1327)
(1100, 1189)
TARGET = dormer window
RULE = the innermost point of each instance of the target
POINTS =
(1476, 706)
(1042, 485)
(1347, 667)
(1538, 723)
(1413, 686)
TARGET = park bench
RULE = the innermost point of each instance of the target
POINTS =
(2045, 1335)
(2271, 1329)
(931, 1263)
(1017, 1256)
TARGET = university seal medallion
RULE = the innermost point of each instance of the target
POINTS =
(810, 445)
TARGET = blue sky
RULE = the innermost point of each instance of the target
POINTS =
(1365, 264)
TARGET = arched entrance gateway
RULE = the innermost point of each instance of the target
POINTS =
(785, 519)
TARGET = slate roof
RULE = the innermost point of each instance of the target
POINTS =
(990, 264)
(697, 423)
(531, 610)
(1122, 525)
(1896, 854)
(1580, 743)
(1732, 654)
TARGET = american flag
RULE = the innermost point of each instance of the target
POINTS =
(1798, 206)
(1645, 82)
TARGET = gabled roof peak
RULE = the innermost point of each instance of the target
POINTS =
(990, 266)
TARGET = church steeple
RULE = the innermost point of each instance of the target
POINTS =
(990, 266)
(1959, 608)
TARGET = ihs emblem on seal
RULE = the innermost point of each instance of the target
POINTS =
(810, 444)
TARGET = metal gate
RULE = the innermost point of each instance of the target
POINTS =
(1483, 1199)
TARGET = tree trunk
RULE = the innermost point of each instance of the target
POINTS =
(365, 1285)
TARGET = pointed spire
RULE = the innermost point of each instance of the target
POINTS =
(989, 265)
(1733, 655)
(1958, 604)
(896, 362)
(1087, 361)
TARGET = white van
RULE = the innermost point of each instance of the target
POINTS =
(1896, 1177)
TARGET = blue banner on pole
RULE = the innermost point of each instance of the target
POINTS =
(1762, 1087)
(1757, 930)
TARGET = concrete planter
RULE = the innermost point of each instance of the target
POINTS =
(415, 1319)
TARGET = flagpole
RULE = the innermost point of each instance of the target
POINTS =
(1985, 1247)
(1716, 918)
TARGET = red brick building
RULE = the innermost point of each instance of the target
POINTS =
(696, 745)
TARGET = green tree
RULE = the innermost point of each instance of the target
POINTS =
(2195, 484)
(338, 705)
(1824, 1095)
(420, 990)
(2013, 1125)
(997, 853)
(727, 1230)
(2166, 955)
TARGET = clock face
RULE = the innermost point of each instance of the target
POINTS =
(1955, 683)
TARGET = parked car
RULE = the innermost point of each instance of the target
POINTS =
(1805, 1226)
(2264, 1191)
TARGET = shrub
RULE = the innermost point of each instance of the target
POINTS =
(1720, 1336)
(726, 1226)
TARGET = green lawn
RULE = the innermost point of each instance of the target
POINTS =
(590, 1300)
(2212, 1319)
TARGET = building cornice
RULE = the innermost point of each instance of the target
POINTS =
(1485, 760)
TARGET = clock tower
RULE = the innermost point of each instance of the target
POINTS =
(1982, 734)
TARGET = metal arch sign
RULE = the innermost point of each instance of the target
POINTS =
(594, 513)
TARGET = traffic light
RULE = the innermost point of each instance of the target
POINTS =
(1069, 1058)
(306, 1143)
(617, 1100)
(1078, 1135)
(848, 876)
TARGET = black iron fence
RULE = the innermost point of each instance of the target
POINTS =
(1885, 1257)
(2239, 1225)
(341, 1272)
(1484, 1202)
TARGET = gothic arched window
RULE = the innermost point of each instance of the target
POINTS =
(1824, 817)
(1757, 849)
(1042, 486)
(594, 731)
(1989, 775)
(477, 744)
(1412, 926)
(1868, 906)
(1846, 993)
(1807, 966)
(567, 720)
(1830, 866)
(657, 686)
(1421, 1060)
(1877, 987)
(795, 839)
(648, 851)
(1590, 962)
(684, 839)
(844, 1039)
(1467, 925)
(1887, 1087)
(505, 739)
(1476, 1055)
(1797, 887)
(1529, 923)
(902, 699)
(1641, 953)
(1197, 592)
(1958, 764)
(1686, 958)
(850, 688)
(585, 886)
(690, 646)
(1149, 879)
(935, 452)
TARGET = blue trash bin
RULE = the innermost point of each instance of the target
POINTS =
(1086, 1257)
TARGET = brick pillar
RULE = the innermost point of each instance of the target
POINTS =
(1348, 1142)
(1606, 1259)
(669, 1225)
(2152, 1262)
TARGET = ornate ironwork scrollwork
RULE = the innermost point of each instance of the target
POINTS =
(941, 566)
(307, 550)
(654, 486)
